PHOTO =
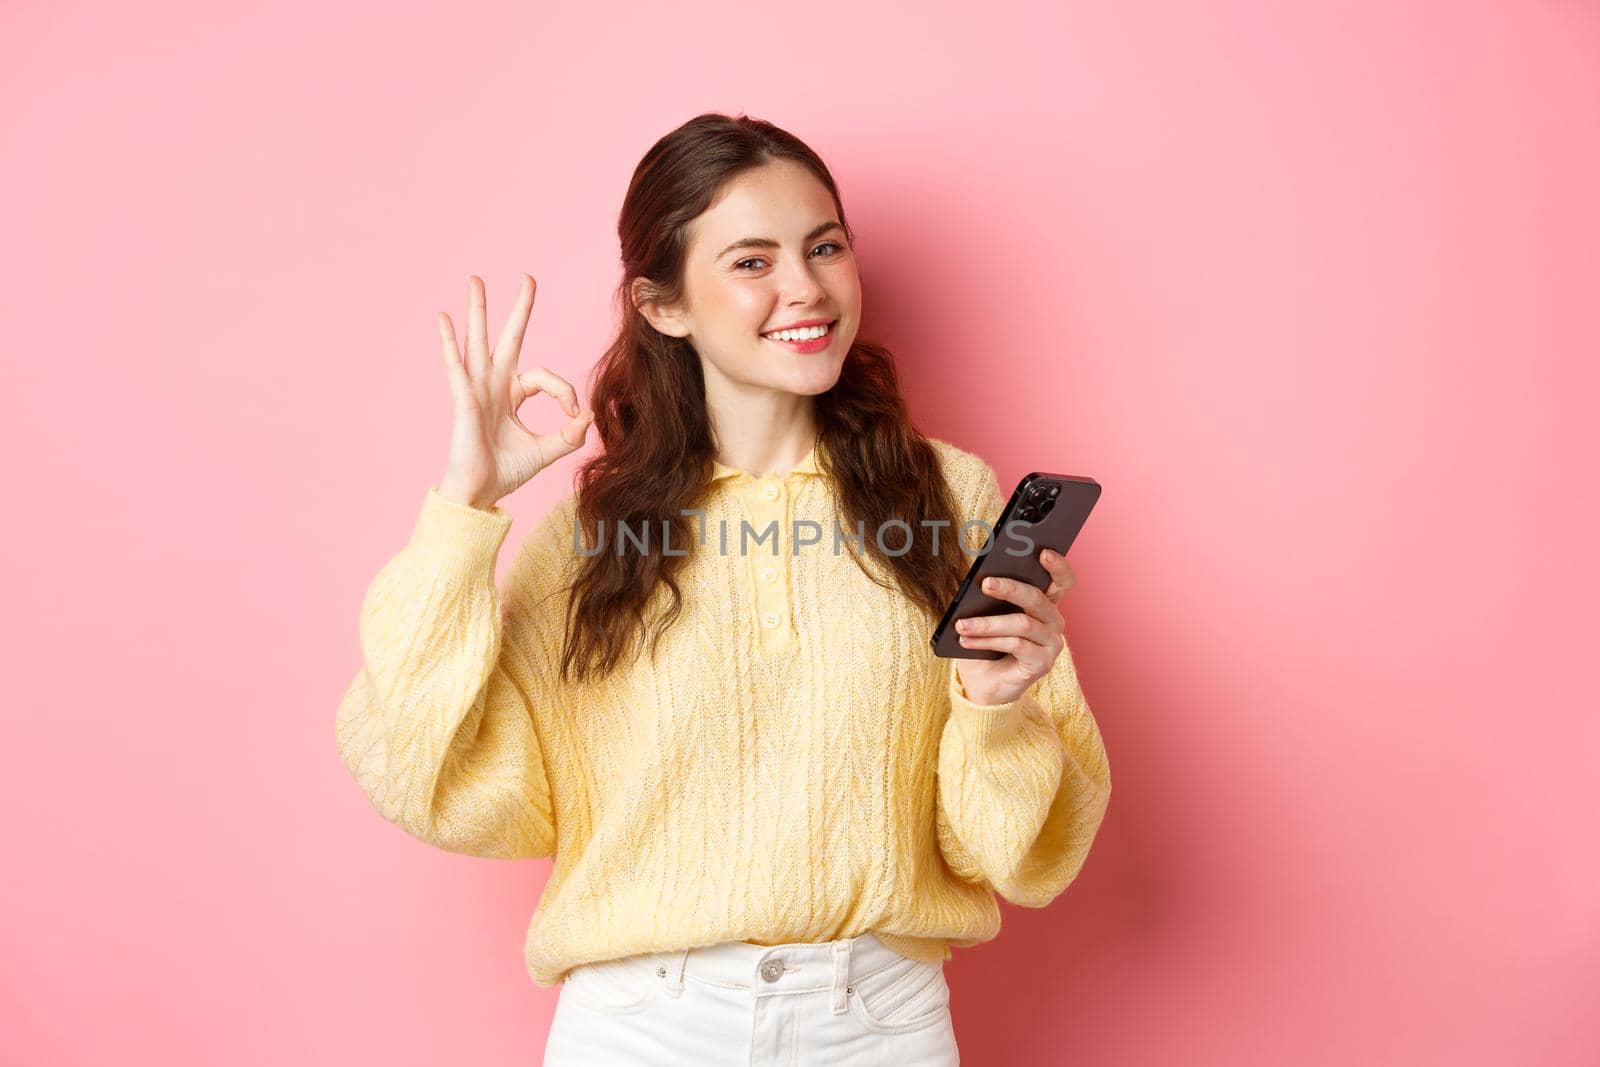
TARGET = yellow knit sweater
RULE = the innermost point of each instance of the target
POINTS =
(797, 764)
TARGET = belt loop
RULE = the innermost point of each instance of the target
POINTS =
(678, 962)
(841, 975)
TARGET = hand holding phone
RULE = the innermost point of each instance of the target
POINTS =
(1045, 511)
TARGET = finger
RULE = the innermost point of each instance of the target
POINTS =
(538, 378)
(1061, 576)
(1028, 597)
(477, 329)
(453, 369)
(1014, 624)
(1034, 657)
(511, 334)
(1070, 579)
(568, 439)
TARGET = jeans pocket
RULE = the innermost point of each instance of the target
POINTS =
(618, 986)
(904, 996)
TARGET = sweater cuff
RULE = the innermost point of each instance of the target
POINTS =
(986, 725)
(461, 532)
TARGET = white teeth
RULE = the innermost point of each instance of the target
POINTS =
(809, 333)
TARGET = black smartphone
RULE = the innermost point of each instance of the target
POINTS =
(1045, 511)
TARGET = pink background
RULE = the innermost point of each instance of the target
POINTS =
(1310, 288)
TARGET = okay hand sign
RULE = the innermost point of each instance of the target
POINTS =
(491, 452)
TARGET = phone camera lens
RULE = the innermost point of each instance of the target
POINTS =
(1044, 509)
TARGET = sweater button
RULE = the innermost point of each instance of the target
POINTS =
(770, 620)
(769, 575)
(770, 491)
(771, 970)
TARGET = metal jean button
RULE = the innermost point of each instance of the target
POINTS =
(771, 970)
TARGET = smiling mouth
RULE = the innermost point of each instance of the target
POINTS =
(804, 341)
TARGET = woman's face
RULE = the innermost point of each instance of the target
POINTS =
(768, 253)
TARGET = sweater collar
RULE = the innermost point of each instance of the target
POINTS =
(807, 465)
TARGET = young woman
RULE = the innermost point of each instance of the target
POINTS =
(705, 686)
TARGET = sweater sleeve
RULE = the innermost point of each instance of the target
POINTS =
(438, 726)
(1022, 786)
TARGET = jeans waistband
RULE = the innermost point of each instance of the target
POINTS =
(768, 970)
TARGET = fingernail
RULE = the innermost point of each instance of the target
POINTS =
(991, 583)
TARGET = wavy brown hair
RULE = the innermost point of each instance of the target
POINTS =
(649, 401)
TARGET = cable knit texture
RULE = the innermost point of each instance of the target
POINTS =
(795, 765)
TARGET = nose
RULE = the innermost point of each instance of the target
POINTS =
(800, 286)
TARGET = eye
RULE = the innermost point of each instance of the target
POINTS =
(835, 245)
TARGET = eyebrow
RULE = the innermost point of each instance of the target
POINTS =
(767, 242)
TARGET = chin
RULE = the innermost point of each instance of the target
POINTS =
(815, 387)
(815, 379)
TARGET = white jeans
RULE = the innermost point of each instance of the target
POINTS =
(849, 1002)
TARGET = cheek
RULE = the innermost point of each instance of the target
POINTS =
(844, 286)
(747, 307)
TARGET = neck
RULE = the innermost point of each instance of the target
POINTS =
(765, 437)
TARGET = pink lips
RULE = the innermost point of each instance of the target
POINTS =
(804, 347)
